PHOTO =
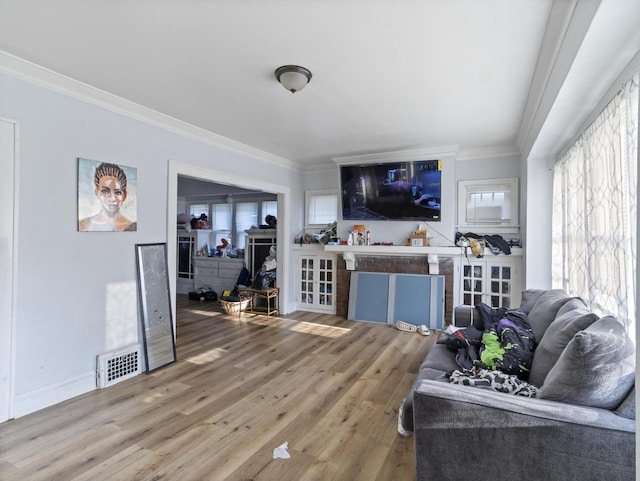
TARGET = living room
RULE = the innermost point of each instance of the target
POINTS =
(72, 295)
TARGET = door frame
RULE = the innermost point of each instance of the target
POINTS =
(8, 266)
(284, 195)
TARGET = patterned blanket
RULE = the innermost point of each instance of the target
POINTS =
(496, 380)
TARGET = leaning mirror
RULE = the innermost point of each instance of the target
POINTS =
(155, 305)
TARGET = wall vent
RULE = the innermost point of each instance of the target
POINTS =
(119, 365)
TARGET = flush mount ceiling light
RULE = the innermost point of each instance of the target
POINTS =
(293, 77)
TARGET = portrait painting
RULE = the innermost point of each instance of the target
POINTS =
(106, 197)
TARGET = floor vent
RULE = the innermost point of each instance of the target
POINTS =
(119, 365)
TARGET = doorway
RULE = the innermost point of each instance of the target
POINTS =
(283, 198)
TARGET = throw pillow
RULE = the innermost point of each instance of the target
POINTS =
(544, 311)
(556, 338)
(573, 303)
(597, 368)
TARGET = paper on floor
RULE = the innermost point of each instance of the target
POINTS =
(281, 451)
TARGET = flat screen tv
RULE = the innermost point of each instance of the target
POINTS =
(392, 191)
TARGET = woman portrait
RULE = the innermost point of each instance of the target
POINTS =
(106, 197)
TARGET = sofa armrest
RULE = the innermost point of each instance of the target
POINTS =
(501, 436)
(463, 315)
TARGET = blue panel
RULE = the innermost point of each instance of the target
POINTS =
(412, 302)
(437, 303)
(418, 299)
(368, 297)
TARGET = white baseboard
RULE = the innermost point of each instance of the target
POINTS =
(43, 397)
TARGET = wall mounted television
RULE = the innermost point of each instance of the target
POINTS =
(392, 191)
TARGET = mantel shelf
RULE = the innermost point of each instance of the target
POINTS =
(408, 250)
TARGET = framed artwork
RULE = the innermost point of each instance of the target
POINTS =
(155, 305)
(107, 200)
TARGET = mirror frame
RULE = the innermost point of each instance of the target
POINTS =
(155, 306)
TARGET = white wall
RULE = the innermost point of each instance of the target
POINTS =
(76, 291)
(538, 199)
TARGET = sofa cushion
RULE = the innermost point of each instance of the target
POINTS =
(597, 368)
(556, 337)
(544, 311)
(529, 299)
(628, 407)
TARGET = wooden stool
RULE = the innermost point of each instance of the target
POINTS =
(269, 295)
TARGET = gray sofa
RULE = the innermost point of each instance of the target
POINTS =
(580, 426)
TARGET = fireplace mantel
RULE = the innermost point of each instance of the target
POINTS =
(349, 253)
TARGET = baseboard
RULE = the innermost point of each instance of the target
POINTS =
(43, 397)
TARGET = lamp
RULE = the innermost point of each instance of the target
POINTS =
(293, 77)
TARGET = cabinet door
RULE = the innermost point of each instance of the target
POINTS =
(325, 276)
(496, 283)
(186, 244)
(316, 282)
(472, 284)
(307, 279)
(500, 284)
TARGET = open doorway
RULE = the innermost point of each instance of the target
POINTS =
(221, 221)
(282, 193)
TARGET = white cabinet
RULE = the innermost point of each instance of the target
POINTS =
(189, 242)
(184, 268)
(220, 274)
(316, 289)
(257, 246)
(493, 280)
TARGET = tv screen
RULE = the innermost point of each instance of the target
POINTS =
(392, 191)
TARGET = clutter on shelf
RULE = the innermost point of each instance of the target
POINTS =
(324, 237)
(495, 242)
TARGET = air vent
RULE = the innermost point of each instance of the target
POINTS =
(119, 365)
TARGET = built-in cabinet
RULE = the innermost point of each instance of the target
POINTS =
(494, 280)
(258, 242)
(188, 243)
(218, 273)
(316, 272)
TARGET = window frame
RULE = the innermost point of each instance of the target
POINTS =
(308, 195)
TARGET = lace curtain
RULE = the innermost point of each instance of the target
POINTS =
(594, 211)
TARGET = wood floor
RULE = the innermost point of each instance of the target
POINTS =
(241, 387)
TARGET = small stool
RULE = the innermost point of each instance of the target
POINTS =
(270, 295)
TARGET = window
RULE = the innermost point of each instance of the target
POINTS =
(321, 208)
(221, 221)
(269, 207)
(195, 210)
(488, 203)
(246, 217)
(595, 211)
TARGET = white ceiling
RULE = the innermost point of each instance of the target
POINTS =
(388, 75)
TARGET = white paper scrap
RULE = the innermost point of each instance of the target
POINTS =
(281, 451)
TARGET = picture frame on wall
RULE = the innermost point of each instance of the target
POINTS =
(107, 200)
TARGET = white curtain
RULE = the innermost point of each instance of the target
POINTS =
(595, 211)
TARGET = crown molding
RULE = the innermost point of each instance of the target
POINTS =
(320, 168)
(495, 152)
(39, 76)
(427, 153)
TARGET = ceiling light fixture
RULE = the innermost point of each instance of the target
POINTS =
(293, 77)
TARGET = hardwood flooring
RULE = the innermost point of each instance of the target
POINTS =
(241, 387)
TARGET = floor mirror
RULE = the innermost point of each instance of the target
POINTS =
(155, 305)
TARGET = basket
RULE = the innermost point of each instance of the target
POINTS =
(234, 307)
